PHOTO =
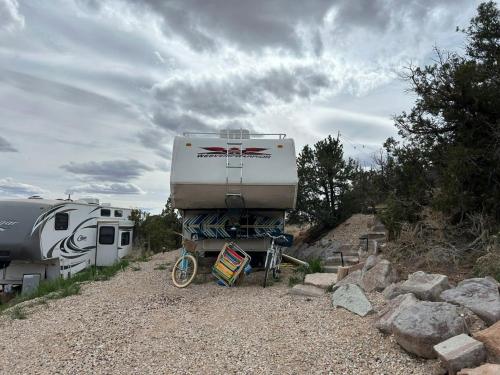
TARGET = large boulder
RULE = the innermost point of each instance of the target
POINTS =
(321, 280)
(390, 311)
(490, 337)
(307, 291)
(426, 286)
(418, 327)
(380, 276)
(370, 262)
(352, 298)
(459, 352)
(479, 295)
(351, 278)
(393, 290)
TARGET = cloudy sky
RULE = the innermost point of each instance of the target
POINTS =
(93, 91)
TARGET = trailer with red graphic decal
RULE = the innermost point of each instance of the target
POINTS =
(233, 186)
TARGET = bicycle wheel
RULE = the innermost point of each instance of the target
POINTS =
(277, 262)
(184, 271)
(269, 258)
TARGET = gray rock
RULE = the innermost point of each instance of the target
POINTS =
(352, 298)
(418, 327)
(460, 352)
(321, 280)
(370, 262)
(493, 281)
(426, 286)
(379, 277)
(478, 295)
(393, 290)
(306, 290)
(351, 278)
(389, 313)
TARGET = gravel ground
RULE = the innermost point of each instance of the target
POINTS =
(139, 323)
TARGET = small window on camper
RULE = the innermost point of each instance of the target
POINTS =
(61, 221)
(118, 213)
(105, 212)
(125, 238)
(107, 235)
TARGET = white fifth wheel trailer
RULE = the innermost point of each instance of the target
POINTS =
(233, 185)
(54, 238)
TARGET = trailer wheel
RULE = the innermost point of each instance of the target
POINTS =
(184, 271)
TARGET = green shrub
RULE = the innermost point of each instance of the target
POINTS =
(17, 312)
(488, 265)
(60, 288)
(315, 266)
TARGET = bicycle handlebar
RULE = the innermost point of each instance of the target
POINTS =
(281, 236)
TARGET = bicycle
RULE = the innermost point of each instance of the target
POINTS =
(186, 267)
(273, 258)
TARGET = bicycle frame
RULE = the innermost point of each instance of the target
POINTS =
(272, 251)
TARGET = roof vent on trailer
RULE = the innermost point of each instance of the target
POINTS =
(235, 134)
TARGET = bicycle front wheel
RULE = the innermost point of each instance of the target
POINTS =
(269, 259)
(184, 271)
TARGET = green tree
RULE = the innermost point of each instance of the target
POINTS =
(324, 183)
(450, 149)
(158, 232)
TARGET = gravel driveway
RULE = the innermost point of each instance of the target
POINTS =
(138, 323)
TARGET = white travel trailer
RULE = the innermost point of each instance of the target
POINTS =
(233, 185)
(53, 238)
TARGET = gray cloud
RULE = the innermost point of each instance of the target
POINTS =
(5, 146)
(258, 24)
(378, 15)
(156, 139)
(10, 18)
(179, 122)
(249, 24)
(107, 188)
(237, 95)
(9, 187)
(57, 91)
(112, 170)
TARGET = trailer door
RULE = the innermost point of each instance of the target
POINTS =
(107, 244)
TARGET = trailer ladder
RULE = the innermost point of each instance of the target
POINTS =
(234, 162)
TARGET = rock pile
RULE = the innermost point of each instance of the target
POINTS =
(427, 316)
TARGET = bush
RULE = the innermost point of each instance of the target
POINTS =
(489, 264)
(60, 288)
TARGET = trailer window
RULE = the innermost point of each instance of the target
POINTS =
(125, 238)
(107, 235)
(61, 221)
(105, 212)
(118, 213)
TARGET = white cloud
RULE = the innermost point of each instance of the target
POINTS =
(11, 188)
(107, 189)
(10, 18)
